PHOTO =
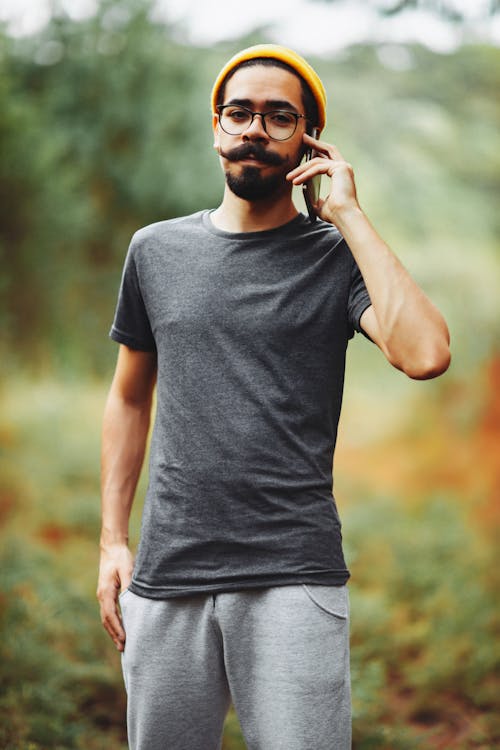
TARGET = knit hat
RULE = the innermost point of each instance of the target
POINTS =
(287, 56)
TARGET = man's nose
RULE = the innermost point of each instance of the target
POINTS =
(256, 128)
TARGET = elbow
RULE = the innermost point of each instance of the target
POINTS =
(423, 355)
(429, 365)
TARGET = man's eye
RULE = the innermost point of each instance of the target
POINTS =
(284, 119)
(238, 115)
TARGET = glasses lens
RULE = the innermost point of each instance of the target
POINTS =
(234, 120)
(278, 124)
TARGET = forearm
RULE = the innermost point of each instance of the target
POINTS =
(124, 436)
(413, 333)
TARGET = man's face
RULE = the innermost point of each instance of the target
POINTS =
(255, 165)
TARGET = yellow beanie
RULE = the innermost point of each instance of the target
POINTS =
(287, 56)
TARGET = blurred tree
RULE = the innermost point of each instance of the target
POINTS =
(103, 130)
(447, 9)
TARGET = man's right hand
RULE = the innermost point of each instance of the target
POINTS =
(115, 572)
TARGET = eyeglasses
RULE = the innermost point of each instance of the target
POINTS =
(278, 123)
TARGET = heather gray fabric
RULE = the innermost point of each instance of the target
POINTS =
(251, 332)
(281, 654)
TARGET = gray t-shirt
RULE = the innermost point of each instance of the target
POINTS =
(251, 331)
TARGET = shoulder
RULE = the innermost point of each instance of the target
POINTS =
(161, 231)
(149, 244)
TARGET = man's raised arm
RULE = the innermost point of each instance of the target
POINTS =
(401, 320)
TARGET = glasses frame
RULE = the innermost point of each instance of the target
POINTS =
(221, 107)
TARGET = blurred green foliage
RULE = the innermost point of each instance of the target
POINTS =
(58, 686)
(452, 11)
(105, 127)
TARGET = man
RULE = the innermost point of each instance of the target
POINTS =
(243, 314)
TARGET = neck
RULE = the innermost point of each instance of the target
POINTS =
(238, 215)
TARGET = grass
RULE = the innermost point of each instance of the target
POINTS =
(418, 536)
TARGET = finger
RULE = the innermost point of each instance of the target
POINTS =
(112, 625)
(306, 176)
(112, 622)
(323, 147)
(318, 165)
(312, 169)
(318, 207)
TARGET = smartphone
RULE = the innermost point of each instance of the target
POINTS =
(310, 189)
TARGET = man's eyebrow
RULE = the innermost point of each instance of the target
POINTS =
(269, 104)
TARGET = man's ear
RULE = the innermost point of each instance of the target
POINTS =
(215, 127)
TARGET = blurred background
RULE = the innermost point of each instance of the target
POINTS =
(105, 127)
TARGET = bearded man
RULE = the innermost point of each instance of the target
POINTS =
(242, 315)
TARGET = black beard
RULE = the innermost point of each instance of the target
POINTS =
(251, 186)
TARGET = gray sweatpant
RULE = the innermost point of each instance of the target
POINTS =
(281, 654)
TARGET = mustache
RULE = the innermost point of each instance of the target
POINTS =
(254, 150)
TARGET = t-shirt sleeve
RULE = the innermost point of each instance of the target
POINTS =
(131, 325)
(358, 301)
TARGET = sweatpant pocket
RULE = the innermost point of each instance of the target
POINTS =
(334, 600)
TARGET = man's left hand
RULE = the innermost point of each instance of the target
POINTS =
(329, 161)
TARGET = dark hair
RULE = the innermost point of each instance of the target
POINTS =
(308, 100)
